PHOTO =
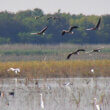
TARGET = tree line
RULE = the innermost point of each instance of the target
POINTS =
(16, 28)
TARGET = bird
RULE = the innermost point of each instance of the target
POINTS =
(1, 94)
(96, 104)
(12, 93)
(37, 17)
(41, 32)
(52, 17)
(69, 30)
(42, 102)
(92, 70)
(68, 83)
(95, 27)
(75, 53)
(16, 70)
(95, 50)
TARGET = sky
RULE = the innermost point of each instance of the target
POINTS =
(87, 7)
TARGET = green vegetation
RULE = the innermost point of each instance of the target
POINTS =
(16, 28)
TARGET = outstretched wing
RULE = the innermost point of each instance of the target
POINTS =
(72, 27)
(69, 55)
(63, 32)
(97, 26)
(80, 50)
(34, 33)
(43, 30)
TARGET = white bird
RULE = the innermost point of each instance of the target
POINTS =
(92, 70)
(96, 104)
(42, 102)
(68, 83)
(16, 70)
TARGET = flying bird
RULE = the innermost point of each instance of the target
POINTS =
(95, 50)
(16, 70)
(96, 27)
(41, 32)
(75, 53)
(69, 30)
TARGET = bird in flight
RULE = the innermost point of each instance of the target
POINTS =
(41, 32)
(75, 53)
(69, 30)
(95, 50)
(95, 27)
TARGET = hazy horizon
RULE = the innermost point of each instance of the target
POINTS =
(87, 7)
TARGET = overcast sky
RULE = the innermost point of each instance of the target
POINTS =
(88, 7)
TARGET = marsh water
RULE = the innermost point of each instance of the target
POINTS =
(57, 94)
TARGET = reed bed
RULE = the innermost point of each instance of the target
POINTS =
(56, 69)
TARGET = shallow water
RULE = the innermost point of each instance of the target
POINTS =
(56, 96)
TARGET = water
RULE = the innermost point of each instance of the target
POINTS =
(56, 96)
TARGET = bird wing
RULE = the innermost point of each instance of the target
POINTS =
(89, 29)
(72, 27)
(80, 50)
(89, 51)
(97, 26)
(34, 33)
(43, 30)
(63, 32)
(69, 55)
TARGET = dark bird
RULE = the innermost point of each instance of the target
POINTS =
(12, 93)
(75, 53)
(95, 50)
(69, 30)
(96, 27)
(52, 17)
(41, 32)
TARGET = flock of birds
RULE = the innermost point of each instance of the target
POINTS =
(70, 31)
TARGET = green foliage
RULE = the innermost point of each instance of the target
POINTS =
(16, 28)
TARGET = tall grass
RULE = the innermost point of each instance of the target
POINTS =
(47, 69)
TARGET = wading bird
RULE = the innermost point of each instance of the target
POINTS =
(41, 32)
(69, 30)
(96, 27)
(68, 83)
(42, 102)
(92, 70)
(1, 94)
(12, 93)
(16, 70)
(96, 104)
(75, 53)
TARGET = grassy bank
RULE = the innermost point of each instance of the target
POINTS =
(39, 69)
